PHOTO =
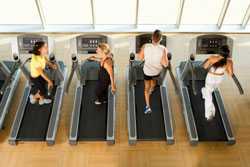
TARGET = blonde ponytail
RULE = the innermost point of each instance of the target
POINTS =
(105, 48)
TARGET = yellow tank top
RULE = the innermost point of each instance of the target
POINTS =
(37, 61)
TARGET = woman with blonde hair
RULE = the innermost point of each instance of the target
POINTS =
(106, 73)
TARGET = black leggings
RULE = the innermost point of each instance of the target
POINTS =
(102, 91)
(39, 84)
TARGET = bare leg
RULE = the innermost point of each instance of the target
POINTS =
(38, 96)
(147, 92)
(152, 85)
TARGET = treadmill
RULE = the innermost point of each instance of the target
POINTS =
(191, 78)
(34, 122)
(9, 78)
(158, 125)
(90, 122)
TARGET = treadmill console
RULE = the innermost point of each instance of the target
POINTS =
(147, 38)
(87, 44)
(210, 44)
(26, 42)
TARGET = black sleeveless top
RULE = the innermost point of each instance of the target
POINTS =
(104, 77)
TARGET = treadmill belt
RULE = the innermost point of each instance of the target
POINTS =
(35, 121)
(93, 118)
(149, 126)
(1, 84)
(207, 130)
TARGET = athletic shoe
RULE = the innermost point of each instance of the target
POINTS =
(147, 110)
(32, 99)
(203, 92)
(45, 101)
(97, 102)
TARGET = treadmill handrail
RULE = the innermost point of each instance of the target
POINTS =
(74, 68)
(9, 78)
(7, 96)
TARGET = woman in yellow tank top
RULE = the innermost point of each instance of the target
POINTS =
(38, 77)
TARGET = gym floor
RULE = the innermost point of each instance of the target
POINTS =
(144, 154)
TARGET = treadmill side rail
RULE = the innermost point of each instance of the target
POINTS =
(187, 110)
(224, 117)
(131, 115)
(167, 115)
(54, 119)
(111, 118)
(73, 134)
(19, 115)
(7, 96)
(56, 110)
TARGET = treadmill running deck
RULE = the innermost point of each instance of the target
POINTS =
(93, 118)
(207, 130)
(35, 121)
(149, 126)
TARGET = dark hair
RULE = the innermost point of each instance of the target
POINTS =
(156, 37)
(38, 45)
(225, 53)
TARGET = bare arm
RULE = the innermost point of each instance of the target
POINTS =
(164, 59)
(229, 67)
(141, 53)
(94, 58)
(211, 60)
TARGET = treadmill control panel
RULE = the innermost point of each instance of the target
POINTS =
(87, 44)
(26, 42)
(147, 38)
(210, 44)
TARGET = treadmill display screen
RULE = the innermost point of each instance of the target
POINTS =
(210, 44)
(147, 38)
(26, 42)
(87, 44)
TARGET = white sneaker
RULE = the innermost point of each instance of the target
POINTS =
(45, 101)
(203, 92)
(32, 99)
(97, 102)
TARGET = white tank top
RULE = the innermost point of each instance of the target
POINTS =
(219, 70)
(152, 57)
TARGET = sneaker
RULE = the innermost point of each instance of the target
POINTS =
(203, 92)
(147, 110)
(97, 102)
(209, 116)
(32, 99)
(45, 101)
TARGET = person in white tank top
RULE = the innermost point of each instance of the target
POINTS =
(217, 66)
(155, 58)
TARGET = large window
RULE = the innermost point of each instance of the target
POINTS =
(236, 11)
(158, 11)
(67, 11)
(19, 12)
(114, 11)
(202, 11)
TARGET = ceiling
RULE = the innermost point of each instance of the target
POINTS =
(125, 15)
